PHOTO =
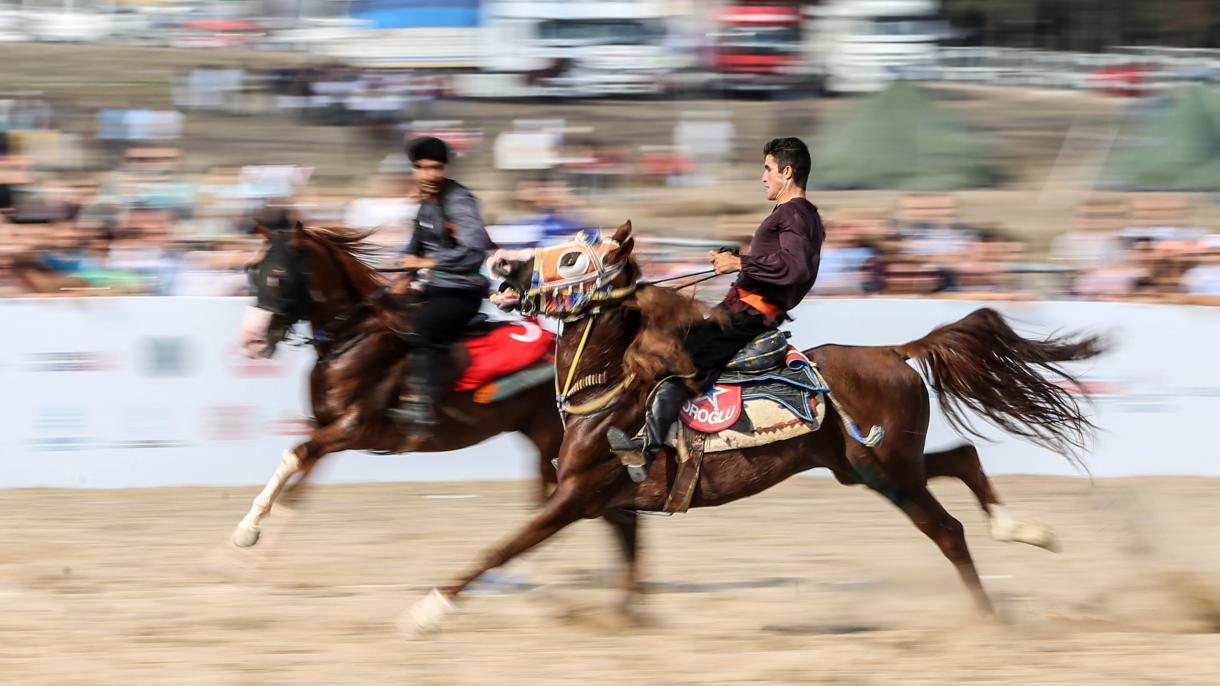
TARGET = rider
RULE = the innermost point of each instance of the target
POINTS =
(775, 275)
(447, 247)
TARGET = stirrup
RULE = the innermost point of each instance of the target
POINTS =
(630, 452)
(414, 411)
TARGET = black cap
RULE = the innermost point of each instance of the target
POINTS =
(428, 148)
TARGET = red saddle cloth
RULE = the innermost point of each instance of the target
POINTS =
(504, 350)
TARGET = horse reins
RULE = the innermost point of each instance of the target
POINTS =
(325, 334)
(588, 381)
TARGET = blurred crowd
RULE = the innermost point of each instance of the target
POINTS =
(1140, 250)
(135, 220)
(145, 228)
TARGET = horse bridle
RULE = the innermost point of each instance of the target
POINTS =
(296, 304)
(577, 297)
(569, 298)
(286, 265)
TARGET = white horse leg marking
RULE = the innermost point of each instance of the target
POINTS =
(247, 531)
(426, 615)
(1004, 527)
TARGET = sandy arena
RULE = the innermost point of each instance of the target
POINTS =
(810, 582)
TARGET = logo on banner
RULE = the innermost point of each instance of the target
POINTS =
(165, 356)
(70, 361)
(229, 422)
(246, 368)
(149, 426)
(1095, 387)
(289, 426)
(60, 429)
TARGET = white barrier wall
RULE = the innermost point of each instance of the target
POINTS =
(1157, 391)
(153, 391)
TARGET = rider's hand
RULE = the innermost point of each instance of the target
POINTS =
(724, 262)
(416, 262)
(505, 299)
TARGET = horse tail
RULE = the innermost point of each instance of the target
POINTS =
(979, 363)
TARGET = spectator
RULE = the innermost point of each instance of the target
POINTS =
(388, 209)
(843, 269)
(1204, 277)
(144, 249)
(1122, 278)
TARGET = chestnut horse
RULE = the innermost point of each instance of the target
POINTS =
(628, 337)
(318, 274)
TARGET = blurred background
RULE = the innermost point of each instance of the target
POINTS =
(1006, 149)
(1038, 156)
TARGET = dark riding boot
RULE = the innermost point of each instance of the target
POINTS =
(415, 408)
(663, 407)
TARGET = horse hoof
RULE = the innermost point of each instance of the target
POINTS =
(1029, 533)
(425, 617)
(244, 538)
(637, 472)
(1042, 536)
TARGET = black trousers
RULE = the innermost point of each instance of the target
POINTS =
(442, 315)
(711, 347)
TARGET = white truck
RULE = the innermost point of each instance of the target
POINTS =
(861, 45)
(562, 48)
(524, 48)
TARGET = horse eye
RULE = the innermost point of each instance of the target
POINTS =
(569, 259)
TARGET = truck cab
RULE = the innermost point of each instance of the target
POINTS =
(861, 45)
(758, 48)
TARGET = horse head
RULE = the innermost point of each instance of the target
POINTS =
(568, 279)
(303, 273)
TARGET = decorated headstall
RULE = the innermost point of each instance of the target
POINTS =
(571, 278)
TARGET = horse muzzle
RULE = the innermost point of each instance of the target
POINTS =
(259, 335)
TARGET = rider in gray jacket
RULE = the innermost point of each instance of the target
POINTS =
(450, 243)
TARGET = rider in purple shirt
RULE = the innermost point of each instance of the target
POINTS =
(774, 276)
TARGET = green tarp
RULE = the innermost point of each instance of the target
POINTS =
(900, 138)
(1174, 144)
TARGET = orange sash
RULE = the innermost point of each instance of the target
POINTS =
(759, 303)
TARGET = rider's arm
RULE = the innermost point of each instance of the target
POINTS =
(470, 243)
(791, 263)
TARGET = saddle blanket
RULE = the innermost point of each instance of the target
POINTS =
(504, 350)
(748, 410)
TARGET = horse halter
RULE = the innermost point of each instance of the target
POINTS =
(281, 280)
(570, 279)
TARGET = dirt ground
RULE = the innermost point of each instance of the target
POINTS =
(810, 582)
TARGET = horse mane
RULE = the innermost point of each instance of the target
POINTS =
(353, 252)
(665, 316)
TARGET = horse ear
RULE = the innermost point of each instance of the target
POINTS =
(622, 233)
(298, 234)
(624, 249)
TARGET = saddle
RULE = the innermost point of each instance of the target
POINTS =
(768, 392)
(766, 387)
(499, 359)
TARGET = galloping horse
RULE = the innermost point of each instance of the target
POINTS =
(627, 337)
(318, 274)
